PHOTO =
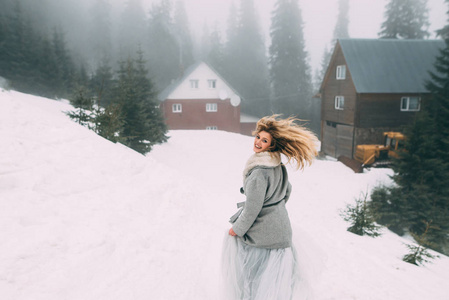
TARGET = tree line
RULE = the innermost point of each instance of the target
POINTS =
(266, 80)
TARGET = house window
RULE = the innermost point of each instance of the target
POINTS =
(341, 72)
(177, 108)
(211, 107)
(410, 103)
(194, 84)
(339, 102)
(212, 83)
(211, 128)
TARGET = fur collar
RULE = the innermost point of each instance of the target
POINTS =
(264, 159)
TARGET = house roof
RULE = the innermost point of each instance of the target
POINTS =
(171, 87)
(163, 95)
(390, 65)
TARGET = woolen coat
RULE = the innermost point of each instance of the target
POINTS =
(263, 220)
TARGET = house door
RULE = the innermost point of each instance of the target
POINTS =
(337, 139)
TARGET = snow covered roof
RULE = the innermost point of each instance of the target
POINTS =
(180, 88)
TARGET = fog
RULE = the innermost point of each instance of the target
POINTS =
(365, 18)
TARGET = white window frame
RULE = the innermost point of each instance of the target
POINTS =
(194, 84)
(212, 83)
(406, 101)
(339, 102)
(341, 72)
(211, 107)
(211, 128)
(177, 108)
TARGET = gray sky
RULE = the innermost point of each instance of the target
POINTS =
(319, 18)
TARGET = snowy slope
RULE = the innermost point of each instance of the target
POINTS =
(83, 218)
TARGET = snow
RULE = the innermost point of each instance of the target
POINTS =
(83, 218)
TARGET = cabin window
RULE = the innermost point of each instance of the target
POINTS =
(341, 72)
(211, 128)
(212, 83)
(177, 108)
(211, 107)
(194, 83)
(410, 103)
(339, 102)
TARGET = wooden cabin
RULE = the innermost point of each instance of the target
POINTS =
(372, 86)
(202, 100)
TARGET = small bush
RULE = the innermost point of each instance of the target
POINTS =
(360, 217)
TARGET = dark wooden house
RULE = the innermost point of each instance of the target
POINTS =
(372, 86)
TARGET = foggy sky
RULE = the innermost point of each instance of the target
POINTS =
(319, 17)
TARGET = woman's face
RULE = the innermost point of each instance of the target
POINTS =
(262, 141)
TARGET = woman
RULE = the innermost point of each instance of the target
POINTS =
(258, 257)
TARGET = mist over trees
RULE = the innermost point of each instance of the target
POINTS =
(290, 73)
(50, 45)
(405, 19)
(341, 31)
(245, 62)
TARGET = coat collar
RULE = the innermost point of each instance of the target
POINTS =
(262, 159)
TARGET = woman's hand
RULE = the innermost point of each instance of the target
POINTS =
(231, 232)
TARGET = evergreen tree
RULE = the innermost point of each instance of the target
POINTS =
(65, 67)
(143, 122)
(164, 58)
(205, 43)
(102, 83)
(341, 31)
(132, 31)
(83, 103)
(405, 19)
(215, 54)
(183, 35)
(100, 39)
(289, 69)
(361, 218)
(421, 175)
(419, 253)
(246, 61)
(109, 123)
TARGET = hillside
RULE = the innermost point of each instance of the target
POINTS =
(83, 218)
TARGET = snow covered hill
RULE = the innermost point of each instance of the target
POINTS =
(83, 218)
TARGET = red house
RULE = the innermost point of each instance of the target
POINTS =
(202, 100)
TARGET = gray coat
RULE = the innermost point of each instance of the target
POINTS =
(263, 221)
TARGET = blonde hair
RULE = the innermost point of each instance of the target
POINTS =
(293, 140)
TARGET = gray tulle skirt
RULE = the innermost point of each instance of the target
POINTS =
(250, 273)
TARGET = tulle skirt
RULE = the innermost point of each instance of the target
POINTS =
(250, 273)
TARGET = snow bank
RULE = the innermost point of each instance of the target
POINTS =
(83, 218)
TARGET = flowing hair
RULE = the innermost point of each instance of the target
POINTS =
(293, 140)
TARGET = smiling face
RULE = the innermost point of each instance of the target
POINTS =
(262, 141)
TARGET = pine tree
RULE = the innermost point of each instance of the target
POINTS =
(341, 31)
(101, 84)
(100, 37)
(289, 69)
(182, 32)
(215, 54)
(405, 19)
(419, 253)
(132, 33)
(164, 57)
(143, 122)
(65, 67)
(421, 174)
(361, 218)
(83, 103)
(246, 62)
